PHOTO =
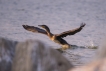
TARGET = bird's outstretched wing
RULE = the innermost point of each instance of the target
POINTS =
(34, 29)
(71, 32)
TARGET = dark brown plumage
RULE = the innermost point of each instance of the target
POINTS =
(58, 38)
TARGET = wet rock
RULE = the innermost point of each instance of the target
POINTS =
(33, 55)
(7, 50)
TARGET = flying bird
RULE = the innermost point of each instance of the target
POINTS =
(57, 38)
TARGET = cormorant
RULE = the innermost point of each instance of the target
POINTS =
(58, 38)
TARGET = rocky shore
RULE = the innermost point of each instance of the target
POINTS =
(34, 55)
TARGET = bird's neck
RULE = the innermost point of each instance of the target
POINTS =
(49, 34)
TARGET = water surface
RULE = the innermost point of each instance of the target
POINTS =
(60, 16)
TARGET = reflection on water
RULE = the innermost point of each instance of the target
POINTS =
(79, 55)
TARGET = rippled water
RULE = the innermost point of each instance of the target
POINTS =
(60, 16)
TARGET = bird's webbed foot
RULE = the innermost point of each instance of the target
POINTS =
(64, 47)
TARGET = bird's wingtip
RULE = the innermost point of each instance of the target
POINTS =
(25, 26)
(83, 24)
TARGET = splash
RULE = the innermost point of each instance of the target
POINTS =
(92, 45)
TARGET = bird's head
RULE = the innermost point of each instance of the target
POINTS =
(45, 27)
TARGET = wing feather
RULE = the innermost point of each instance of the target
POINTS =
(34, 29)
(71, 32)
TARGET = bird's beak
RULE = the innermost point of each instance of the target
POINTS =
(40, 25)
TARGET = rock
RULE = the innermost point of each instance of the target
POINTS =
(33, 55)
(7, 50)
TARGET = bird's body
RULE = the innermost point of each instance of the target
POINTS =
(57, 38)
